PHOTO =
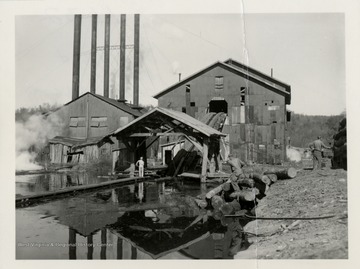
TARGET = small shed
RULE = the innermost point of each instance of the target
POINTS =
(76, 150)
(162, 122)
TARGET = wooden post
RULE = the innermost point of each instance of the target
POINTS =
(103, 244)
(119, 249)
(205, 159)
(90, 246)
(72, 244)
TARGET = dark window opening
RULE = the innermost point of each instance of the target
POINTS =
(288, 116)
(188, 88)
(217, 106)
(183, 109)
(242, 94)
(266, 104)
(192, 103)
(274, 121)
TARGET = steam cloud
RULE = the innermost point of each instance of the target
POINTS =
(293, 154)
(32, 136)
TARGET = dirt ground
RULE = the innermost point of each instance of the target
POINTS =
(310, 194)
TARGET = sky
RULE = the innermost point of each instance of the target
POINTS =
(305, 50)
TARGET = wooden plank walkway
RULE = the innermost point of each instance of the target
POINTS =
(27, 200)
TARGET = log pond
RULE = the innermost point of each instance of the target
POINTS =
(146, 220)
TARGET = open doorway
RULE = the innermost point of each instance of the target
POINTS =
(217, 106)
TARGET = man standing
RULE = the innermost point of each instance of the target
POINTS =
(317, 148)
(140, 163)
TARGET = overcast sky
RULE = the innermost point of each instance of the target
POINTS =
(306, 51)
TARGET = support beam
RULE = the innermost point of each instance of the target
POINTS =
(76, 57)
(122, 56)
(107, 55)
(93, 53)
(205, 160)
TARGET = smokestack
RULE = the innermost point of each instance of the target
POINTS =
(93, 53)
(107, 55)
(271, 72)
(122, 57)
(179, 76)
(136, 58)
(76, 57)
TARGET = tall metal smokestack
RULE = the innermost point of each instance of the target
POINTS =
(122, 56)
(136, 58)
(107, 55)
(76, 57)
(93, 53)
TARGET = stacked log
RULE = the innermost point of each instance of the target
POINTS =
(242, 192)
(339, 159)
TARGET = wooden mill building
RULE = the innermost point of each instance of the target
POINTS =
(86, 120)
(255, 104)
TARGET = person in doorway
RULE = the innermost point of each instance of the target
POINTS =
(316, 148)
(140, 163)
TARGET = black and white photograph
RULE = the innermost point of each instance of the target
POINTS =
(181, 135)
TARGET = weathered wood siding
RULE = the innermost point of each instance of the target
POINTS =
(256, 126)
(89, 107)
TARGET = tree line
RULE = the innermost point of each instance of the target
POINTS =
(303, 129)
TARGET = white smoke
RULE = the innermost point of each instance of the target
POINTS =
(32, 136)
(175, 67)
(293, 154)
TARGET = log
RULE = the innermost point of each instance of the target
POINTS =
(282, 173)
(227, 209)
(273, 178)
(260, 178)
(236, 205)
(262, 188)
(243, 195)
(247, 182)
(216, 202)
(226, 186)
(214, 191)
(201, 203)
(341, 133)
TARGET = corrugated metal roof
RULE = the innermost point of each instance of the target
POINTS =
(123, 106)
(252, 76)
(183, 118)
(77, 142)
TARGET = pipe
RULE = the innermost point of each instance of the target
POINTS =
(76, 57)
(107, 55)
(136, 58)
(93, 53)
(122, 57)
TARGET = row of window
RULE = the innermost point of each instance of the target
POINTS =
(96, 122)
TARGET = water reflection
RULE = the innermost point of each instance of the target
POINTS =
(33, 184)
(149, 220)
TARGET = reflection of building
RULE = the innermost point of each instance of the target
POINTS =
(255, 105)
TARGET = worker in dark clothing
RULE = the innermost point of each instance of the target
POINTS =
(316, 149)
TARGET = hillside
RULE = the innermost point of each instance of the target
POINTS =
(302, 129)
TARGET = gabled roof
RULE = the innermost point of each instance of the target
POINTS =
(124, 107)
(153, 120)
(257, 73)
(250, 74)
